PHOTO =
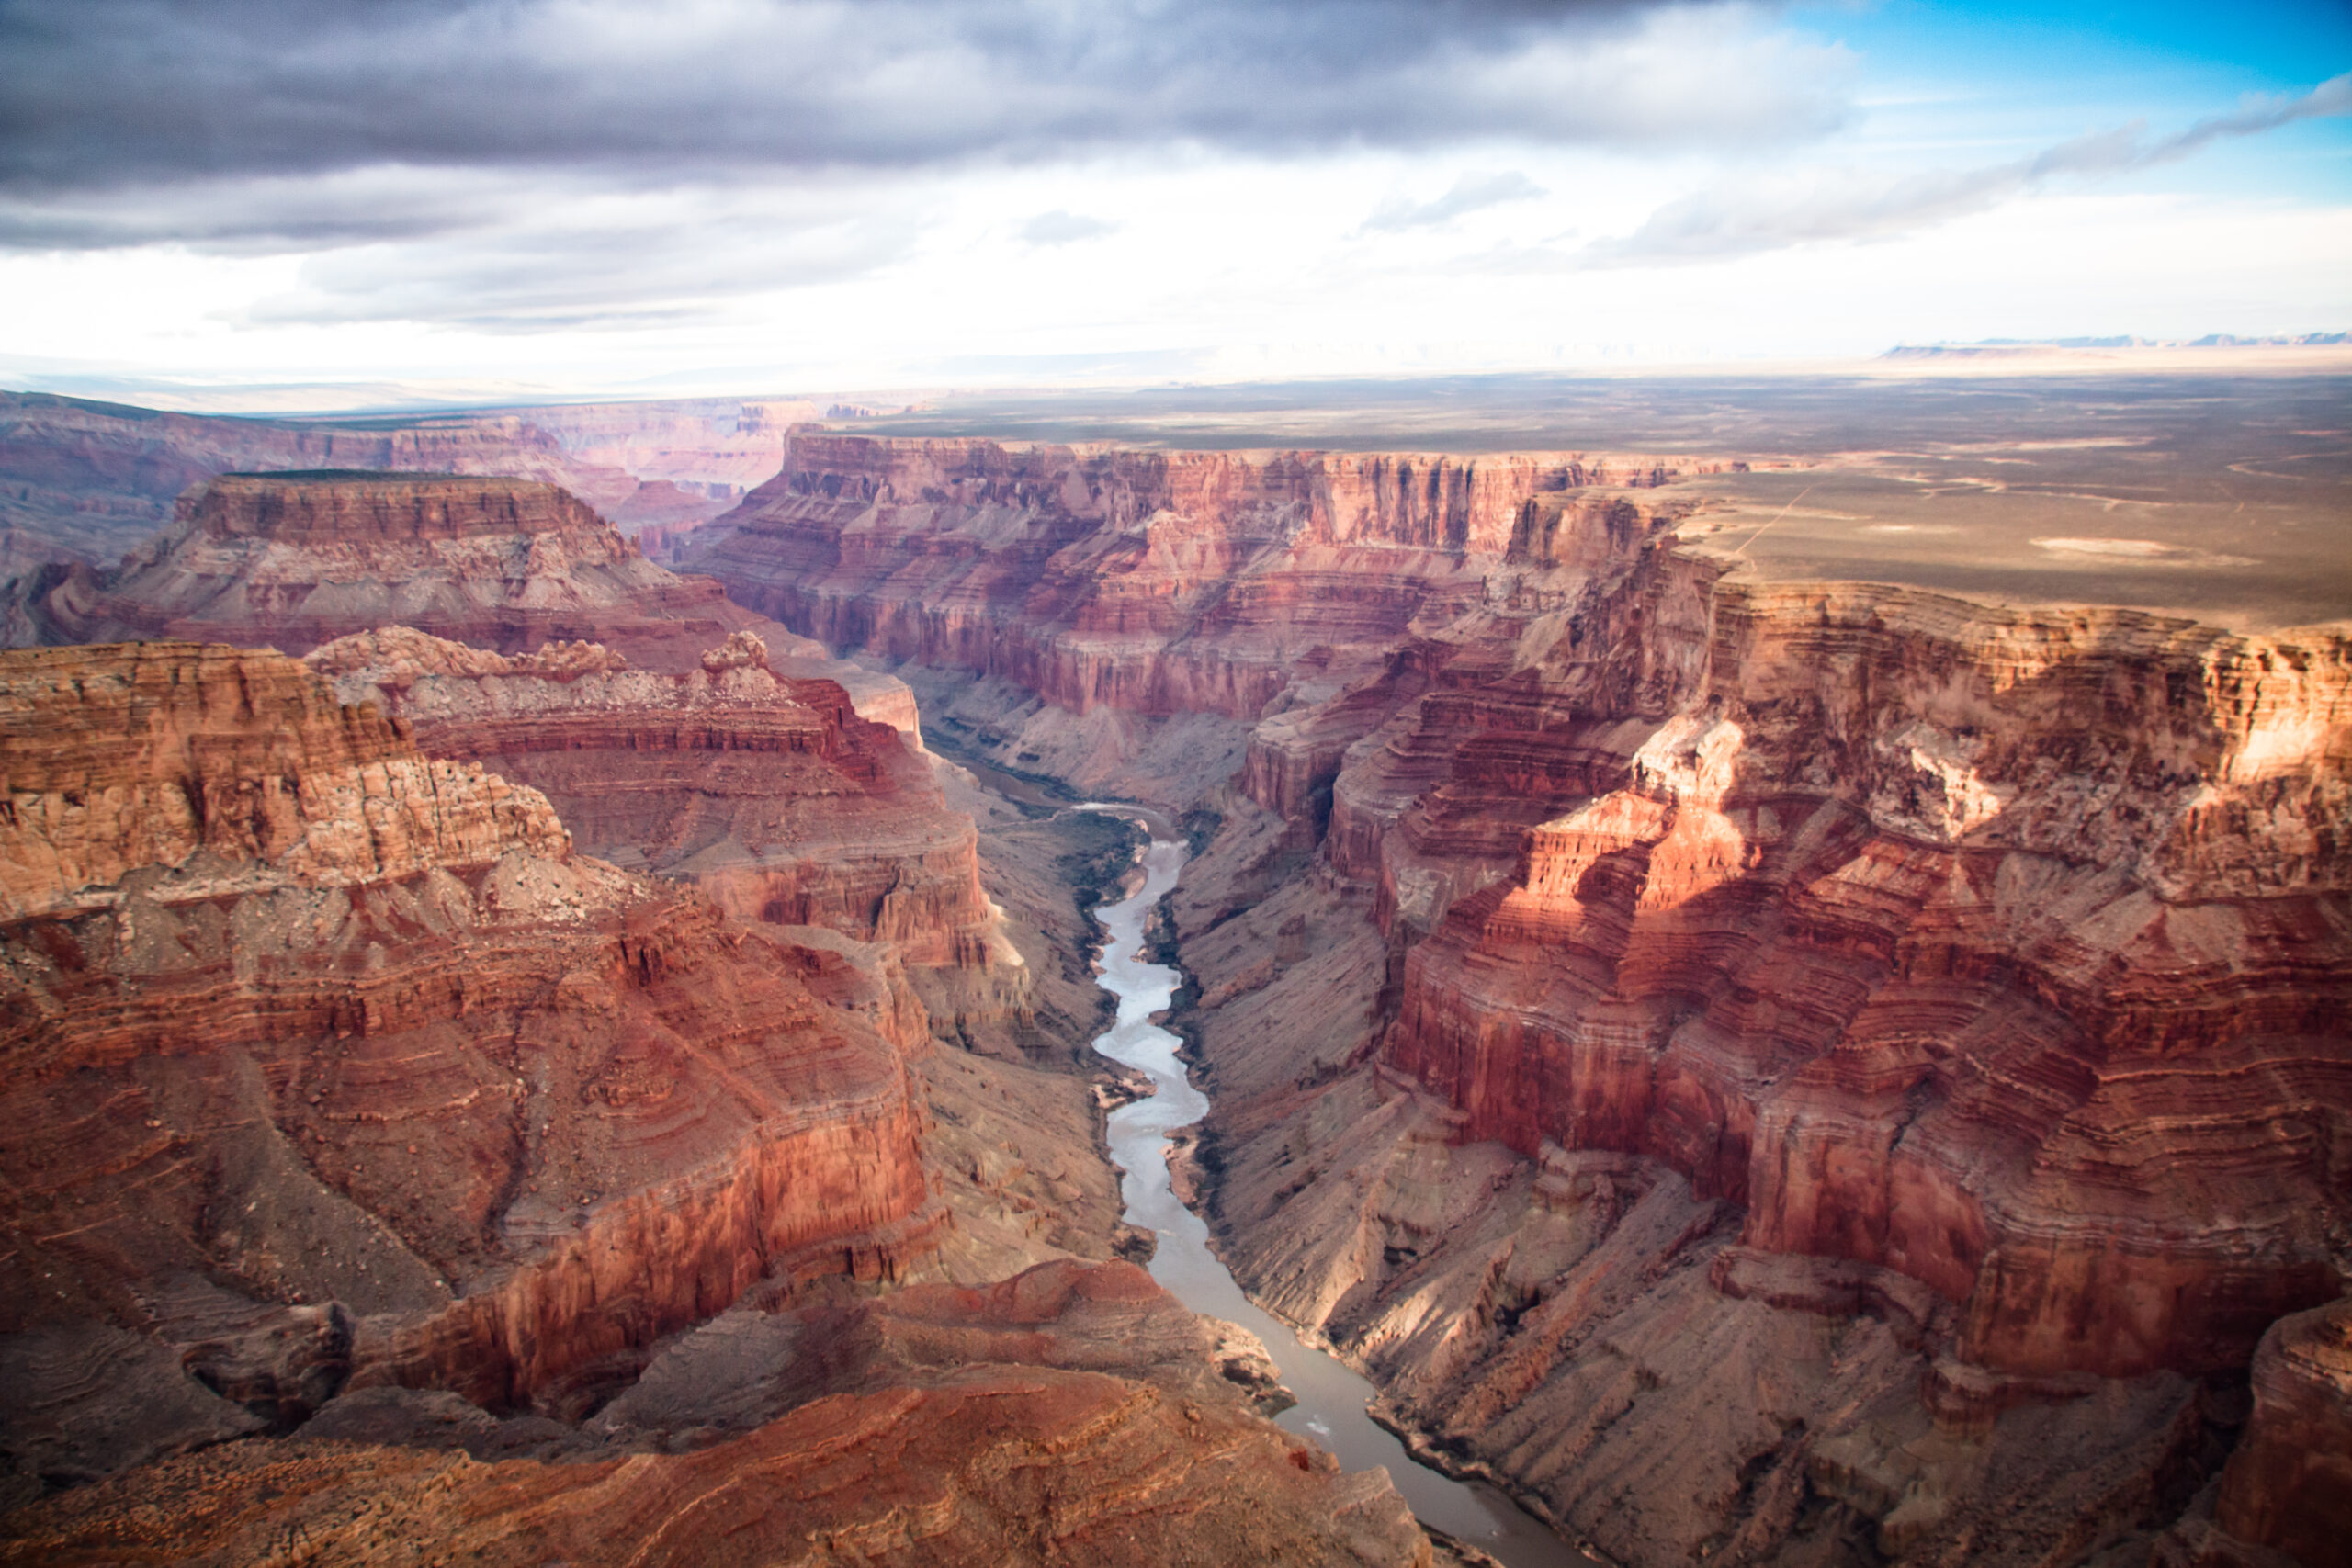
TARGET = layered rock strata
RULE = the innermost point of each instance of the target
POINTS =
(768, 792)
(1070, 1415)
(1999, 949)
(1114, 584)
(1782, 1070)
(292, 560)
(331, 1065)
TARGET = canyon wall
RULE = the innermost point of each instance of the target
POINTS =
(86, 481)
(331, 1064)
(1600, 939)
(1154, 584)
(698, 739)
(768, 792)
(2055, 901)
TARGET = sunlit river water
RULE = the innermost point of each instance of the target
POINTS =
(1331, 1397)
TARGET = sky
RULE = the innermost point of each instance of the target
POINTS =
(259, 199)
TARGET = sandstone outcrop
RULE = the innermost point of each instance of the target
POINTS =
(330, 1065)
(768, 792)
(2288, 1486)
(1071, 1415)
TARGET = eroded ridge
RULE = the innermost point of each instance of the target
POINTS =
(330, 1065)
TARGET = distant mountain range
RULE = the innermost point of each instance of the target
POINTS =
(2000, 345)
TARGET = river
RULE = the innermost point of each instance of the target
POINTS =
(1331, 1397)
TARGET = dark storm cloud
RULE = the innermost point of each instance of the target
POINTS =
(578, 269)
(99, 95)
(1737, 220)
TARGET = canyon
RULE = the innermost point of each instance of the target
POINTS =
(353, 1103)
(355, 1089)
(1759, 1065)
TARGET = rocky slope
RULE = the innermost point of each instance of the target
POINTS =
(1810, 1071)
(767, 791)
(332, 1065)
(1071, 1415)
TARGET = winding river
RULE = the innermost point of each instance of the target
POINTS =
(1331, 1397)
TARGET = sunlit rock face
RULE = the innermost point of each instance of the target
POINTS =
(1872, 1060)
(2008, 950)
(330, 1063)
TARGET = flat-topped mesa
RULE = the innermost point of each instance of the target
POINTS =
(327, 1061)
(1994, 947)
(1149, 582)
(767, 791)
(290, 560)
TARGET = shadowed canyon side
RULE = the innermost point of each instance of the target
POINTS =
(291, 560)
(1805, 1071)
(1070, 1415)
(333, 1065)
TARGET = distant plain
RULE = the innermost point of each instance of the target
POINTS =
(2225, 495)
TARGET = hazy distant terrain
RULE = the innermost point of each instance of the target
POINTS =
(2225, 496)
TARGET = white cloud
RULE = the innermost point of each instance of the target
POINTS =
(1471, 193)
(1769, 212)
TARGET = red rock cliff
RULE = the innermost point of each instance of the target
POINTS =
(2005, 950)
(1155, 583)
(767, 791)
(327, 1061)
